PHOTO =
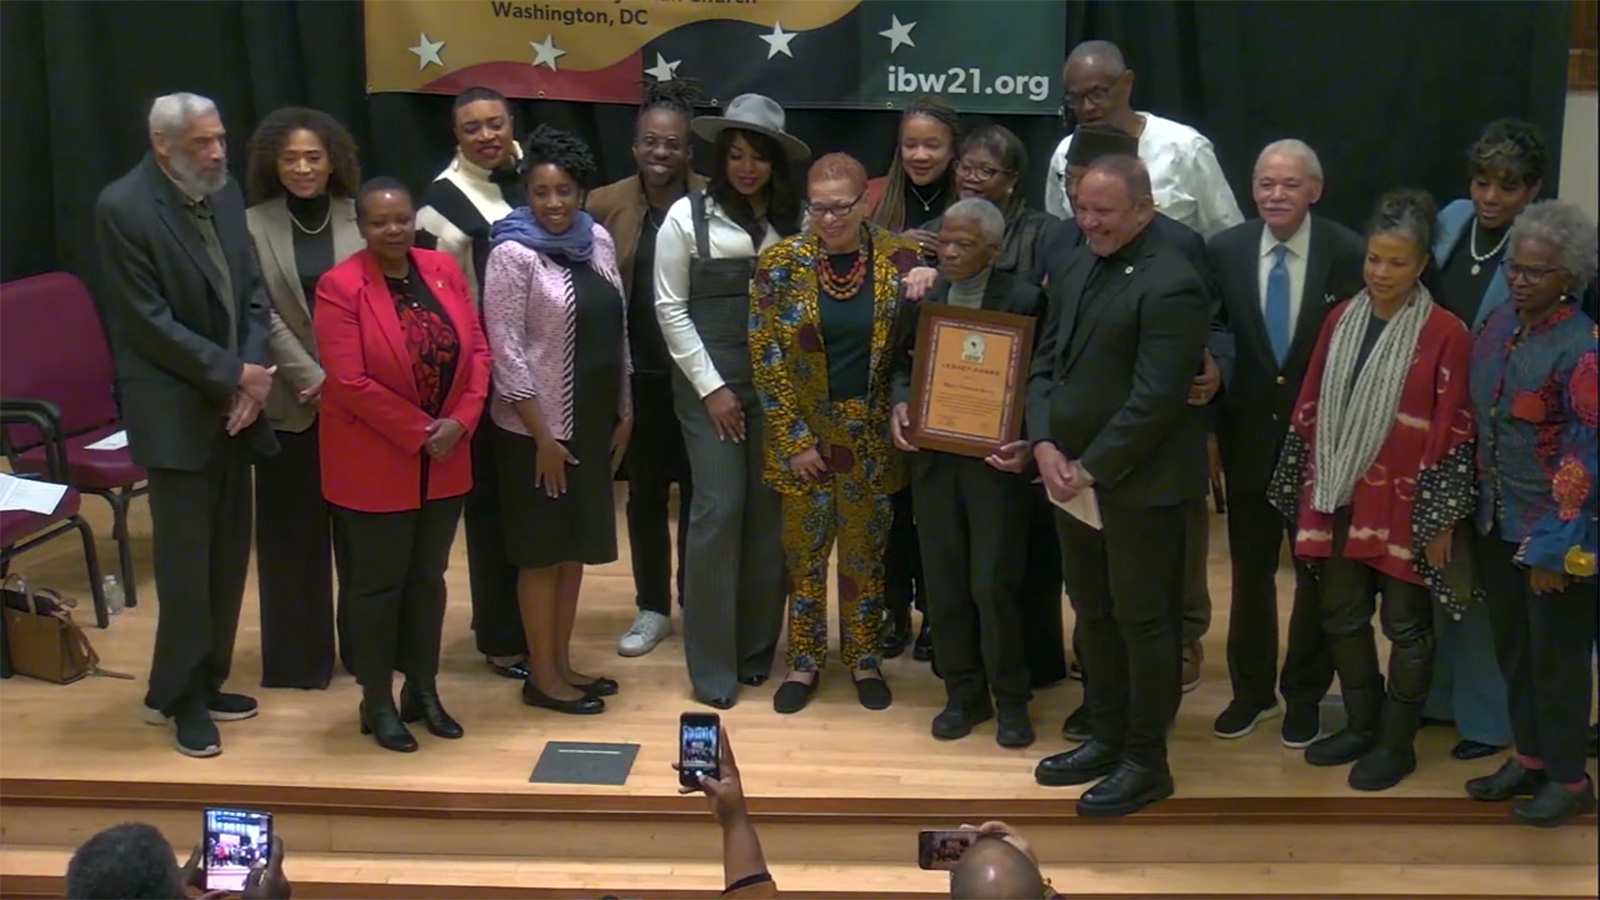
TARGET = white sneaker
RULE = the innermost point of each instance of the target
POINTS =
(648, 630)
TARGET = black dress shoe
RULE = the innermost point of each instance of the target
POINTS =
(1508, 782)
(1015, 729)
(383, 723)
(1554, 805)
(583, 706)
(1079, 726)
(720, 702)
(1129, 789)
(1341, 748)
(897, 634)
(1381, 768)
(1078, 766)
(423, 703)
(873, 692)
(957, 721)
(922, 650)
(517, 670)
(599, 687)
(754, 680)
(1470, 750)
(792, 696)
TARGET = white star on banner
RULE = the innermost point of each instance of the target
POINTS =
(546, 53)
(899, 34)
(663, 70)
(778, 41)
(427, 52)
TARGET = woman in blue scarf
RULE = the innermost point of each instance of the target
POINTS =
(561, 414)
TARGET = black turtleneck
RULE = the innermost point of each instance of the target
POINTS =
(509, 181)
(1460, 289)
(313, 241)
(918, 216)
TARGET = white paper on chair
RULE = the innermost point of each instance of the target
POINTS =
(27, 495)
(115, 441)
(1084, 507)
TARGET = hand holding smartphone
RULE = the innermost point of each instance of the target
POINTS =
(699, 748)
(235, 842)
(942, 850)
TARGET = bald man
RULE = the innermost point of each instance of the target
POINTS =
(1184, 174)
(993, 869)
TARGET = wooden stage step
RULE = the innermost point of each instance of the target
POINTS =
(28, 871)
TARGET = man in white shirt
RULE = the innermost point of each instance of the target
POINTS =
(1187, 181)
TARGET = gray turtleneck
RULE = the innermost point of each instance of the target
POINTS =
(969, 293)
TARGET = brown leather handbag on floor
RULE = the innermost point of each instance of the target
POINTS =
(42, 640)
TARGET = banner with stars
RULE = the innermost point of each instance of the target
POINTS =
(994, 56)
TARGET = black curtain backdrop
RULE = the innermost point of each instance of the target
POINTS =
(1389, 93)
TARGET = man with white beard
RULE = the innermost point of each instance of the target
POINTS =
(188, 321)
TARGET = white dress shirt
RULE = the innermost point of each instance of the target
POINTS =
(674, 248)
(1299, 245)
(1184, 176)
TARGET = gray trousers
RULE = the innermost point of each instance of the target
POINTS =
(733, 596)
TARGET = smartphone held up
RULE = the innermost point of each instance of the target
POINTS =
(236, 842)
(942, 850)
(699, 748)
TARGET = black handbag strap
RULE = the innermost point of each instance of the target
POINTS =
(702, 223)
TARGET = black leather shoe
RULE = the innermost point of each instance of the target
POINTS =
(873, 692)
(897, 634)
(1381, 768)
(1554, 805)
(1129, 789)
(922, 650)
(1339, 749)
(583, 706)
(1015, 729)
(1079, 726)
(754, 680)
(1508, 782)
(1470, 750)
(599, 687)
(382, 721)
(792, 696)
(423, 703)
(517, 670)
(720, 702)
(1078, 766)
(957, 721)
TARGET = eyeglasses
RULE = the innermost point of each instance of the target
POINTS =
(1096, 95)
(1531, 274)
(837, 210)
(982, 172)
(651, 142)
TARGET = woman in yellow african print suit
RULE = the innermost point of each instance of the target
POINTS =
(822, 312)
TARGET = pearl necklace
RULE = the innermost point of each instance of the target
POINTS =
(1472, 247)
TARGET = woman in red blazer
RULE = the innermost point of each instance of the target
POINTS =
(407, 375)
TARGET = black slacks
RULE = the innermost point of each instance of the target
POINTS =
(1126, 586)
(1256, 532)
(656, 459)
(973, 546)
(201, 525)
(397, 593)
(1043, 635)
(296, 560)
(1543, 642)
(496, 618)
(1347, 592)
(903, 584)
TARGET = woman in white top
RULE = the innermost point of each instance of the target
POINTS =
(705, 255)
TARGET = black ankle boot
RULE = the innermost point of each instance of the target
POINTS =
(1393, 755)
(419, 702)
(1354, 740)
(380, 719)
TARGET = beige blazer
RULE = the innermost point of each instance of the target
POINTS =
(291, 342)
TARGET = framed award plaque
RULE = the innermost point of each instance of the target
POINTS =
(969, 379)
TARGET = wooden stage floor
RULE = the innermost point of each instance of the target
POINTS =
(833, 752)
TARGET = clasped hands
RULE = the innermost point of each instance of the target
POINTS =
(250, 398)
(1064, 479)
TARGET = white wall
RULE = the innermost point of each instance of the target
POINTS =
(1580, 158)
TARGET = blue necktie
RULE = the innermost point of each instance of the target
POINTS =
(1278, 303)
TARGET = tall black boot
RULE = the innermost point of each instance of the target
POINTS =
(1393, 756)
(380, 719)
(1350, 743)
(420, 700)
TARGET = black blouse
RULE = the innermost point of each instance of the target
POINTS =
(313, 241)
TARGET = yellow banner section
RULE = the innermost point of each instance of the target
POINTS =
(411, 43)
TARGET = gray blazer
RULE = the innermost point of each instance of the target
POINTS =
(291, 342)
(180, 343)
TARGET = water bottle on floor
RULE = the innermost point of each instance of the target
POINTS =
(115, 600)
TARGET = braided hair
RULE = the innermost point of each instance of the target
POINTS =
(891, 212)
(562, 149)
(676, 96)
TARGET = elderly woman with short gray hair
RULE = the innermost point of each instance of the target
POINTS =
(974, 545)
(1534, 389)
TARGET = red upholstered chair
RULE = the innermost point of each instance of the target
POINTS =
(21, 531)
(54, 362)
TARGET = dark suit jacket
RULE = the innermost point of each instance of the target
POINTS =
(1066, 237)
(1111, 379)
(1004, 293)
(1255, 404)
(168, 320)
